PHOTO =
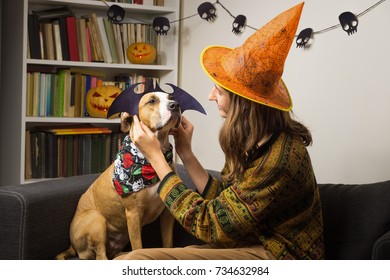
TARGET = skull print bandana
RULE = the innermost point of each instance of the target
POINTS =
(132, 171)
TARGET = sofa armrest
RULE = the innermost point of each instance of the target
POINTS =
(35, 218)
(381, 249)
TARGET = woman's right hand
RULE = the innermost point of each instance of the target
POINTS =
(183, 138)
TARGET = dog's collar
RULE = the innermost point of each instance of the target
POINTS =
(132, 171)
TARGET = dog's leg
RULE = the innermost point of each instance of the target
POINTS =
(134, 227)
(88, 236)
(166, 225)
(69, 253)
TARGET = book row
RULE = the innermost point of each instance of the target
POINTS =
(50, 156)
(63, 93)
(88, 38)
(140, 2)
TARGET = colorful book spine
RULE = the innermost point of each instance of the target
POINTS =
(71, 27)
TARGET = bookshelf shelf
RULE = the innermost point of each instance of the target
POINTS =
(16, 124)
(100, 5)
(54, 120)
(151, 67)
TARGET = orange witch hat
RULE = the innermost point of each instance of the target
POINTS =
(254, 70)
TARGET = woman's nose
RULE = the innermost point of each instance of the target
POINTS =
(212, 96)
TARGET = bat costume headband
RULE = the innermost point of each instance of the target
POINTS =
(128, 100)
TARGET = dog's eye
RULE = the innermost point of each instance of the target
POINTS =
(152, 101)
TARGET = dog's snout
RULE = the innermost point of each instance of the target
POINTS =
(173, 106)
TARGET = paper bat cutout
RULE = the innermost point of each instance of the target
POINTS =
(128, 100)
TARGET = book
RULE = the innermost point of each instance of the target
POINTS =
(30, 93)
(125, 41)
(78, 130)
(71, 28)
(158, 2)
(111, 40)
(118, 42)
(48, 95)
(51, 154)
(27, 163)
(131, 31)
(67, 92)
(82, 37)
(102, 55)
(85, 71)
(36, 90)
(64, 38)
(48, 39)
(88, 39)
(72, 101)
(78, 95)
(53, 94)
(87, 149)
(42, 95)
(34, 37)
(60, 156)
(138, 33)
(87, 88)
(59, 104)
(104, 39)
(57, 40)
(93, 51)
(95, 154)
(69, 156)
(37, 154)
(54, 13)
(96, 43)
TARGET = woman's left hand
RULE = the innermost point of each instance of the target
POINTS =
(145, 140)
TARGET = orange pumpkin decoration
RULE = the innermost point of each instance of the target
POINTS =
(99, 99)
(141, 53)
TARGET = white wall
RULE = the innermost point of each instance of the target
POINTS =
(340, 86)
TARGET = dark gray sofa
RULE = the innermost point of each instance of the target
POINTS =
(35, 219)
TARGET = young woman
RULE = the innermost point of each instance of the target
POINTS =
(266, 205)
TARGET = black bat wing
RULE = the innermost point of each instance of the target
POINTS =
(127, 101)
(185, 100)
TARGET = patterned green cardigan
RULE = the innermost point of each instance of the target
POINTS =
(276, 203)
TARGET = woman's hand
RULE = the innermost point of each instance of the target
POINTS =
(145, 140)
(183, 138)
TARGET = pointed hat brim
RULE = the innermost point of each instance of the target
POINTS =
(254, 70)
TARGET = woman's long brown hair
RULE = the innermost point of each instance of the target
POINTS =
(246, 124)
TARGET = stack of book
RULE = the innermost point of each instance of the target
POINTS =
(70, 151)
(89, 38)
(58, 92)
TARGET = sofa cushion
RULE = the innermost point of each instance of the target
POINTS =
(355, 216)
(35, 218)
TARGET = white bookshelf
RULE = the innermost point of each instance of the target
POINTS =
(14, 121)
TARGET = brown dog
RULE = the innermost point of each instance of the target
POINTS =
(112, 212)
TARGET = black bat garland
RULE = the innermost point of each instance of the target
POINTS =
(128, 100)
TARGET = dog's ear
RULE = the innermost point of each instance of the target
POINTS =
(126, 121)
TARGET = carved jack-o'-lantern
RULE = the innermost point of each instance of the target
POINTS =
(99, 99)
(141, 53)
